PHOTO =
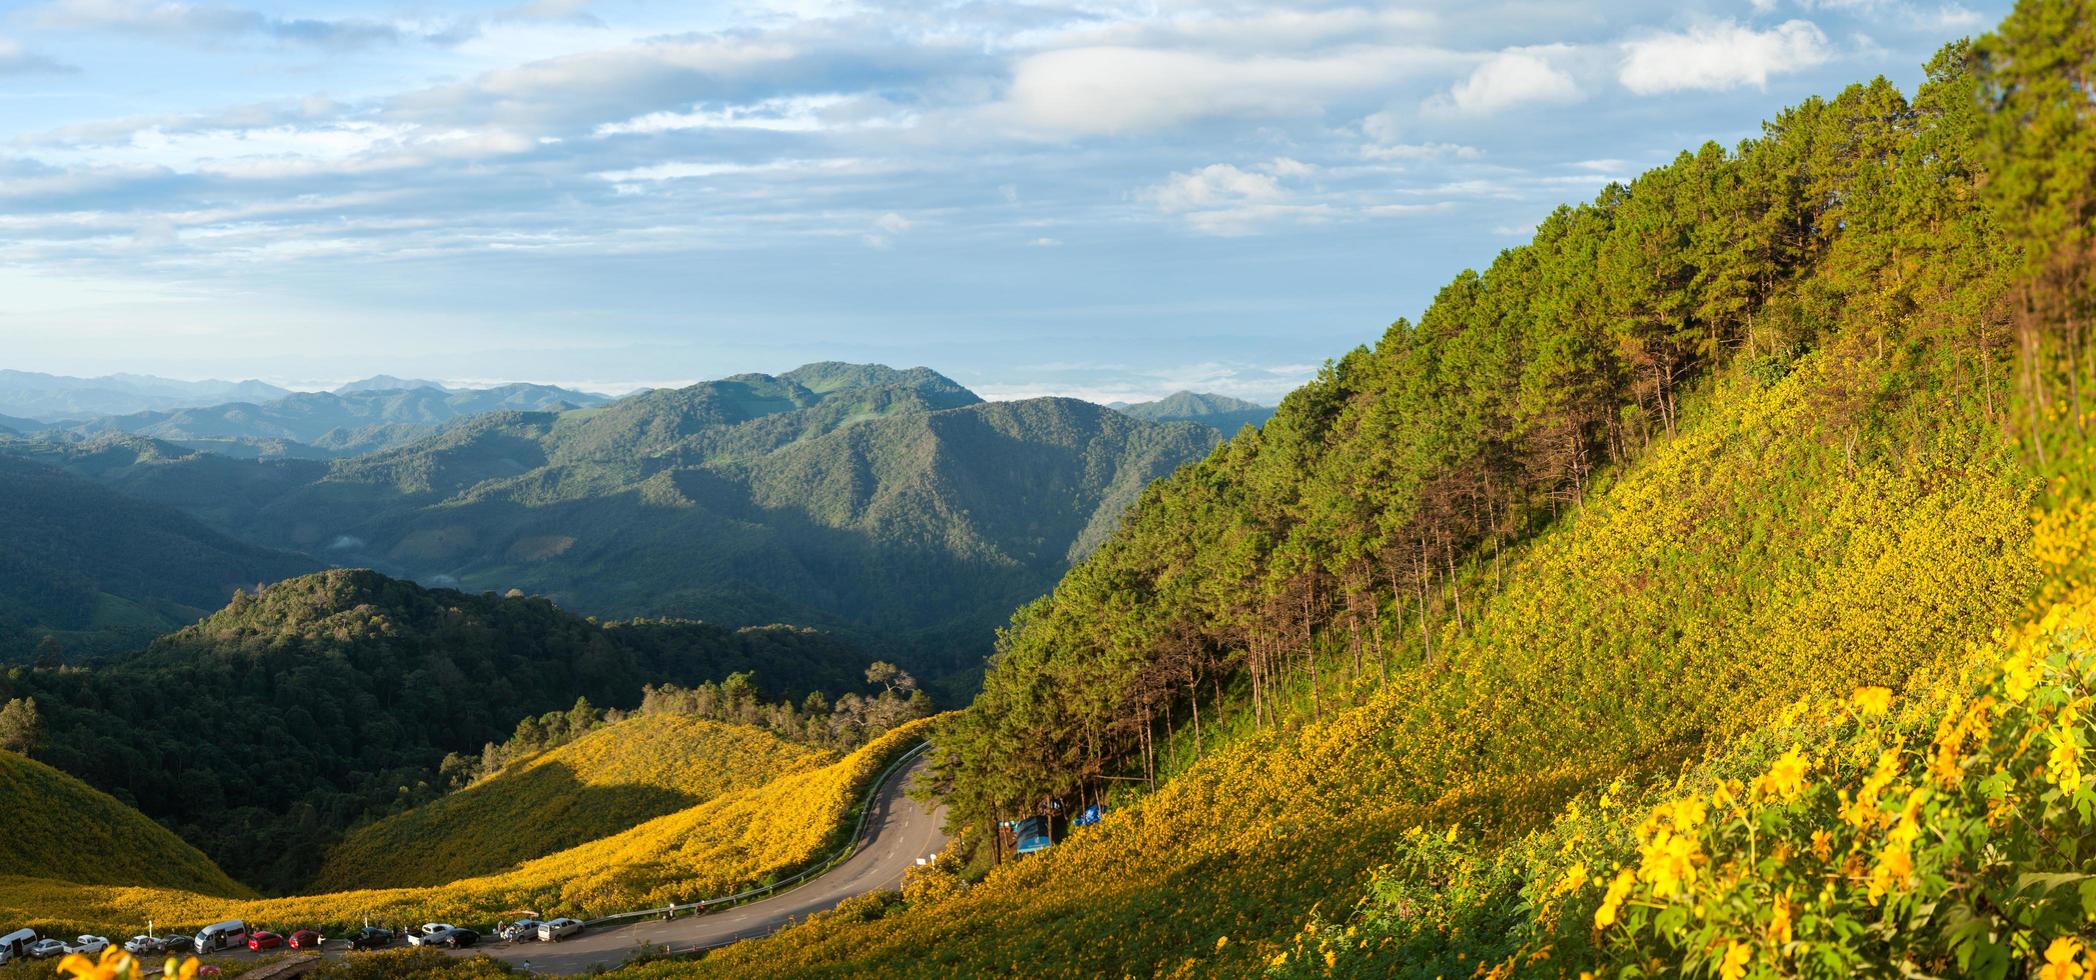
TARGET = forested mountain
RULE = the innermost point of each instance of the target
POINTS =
(894, 505)
(85, 570)
(1220, 412)
(1660, 603)
(264, 731)
(355, 420)
(49, 396)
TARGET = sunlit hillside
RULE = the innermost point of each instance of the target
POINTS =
(55, 826)
(735, 840)
(1584, 671)
(605, 782)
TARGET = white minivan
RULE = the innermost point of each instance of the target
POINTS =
(220, 935)
(555, 930)
(15, 945)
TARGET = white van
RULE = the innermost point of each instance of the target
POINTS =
(555, 930)
(15, 945)
(220, 935)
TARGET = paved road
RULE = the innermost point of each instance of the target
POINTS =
(898, 832)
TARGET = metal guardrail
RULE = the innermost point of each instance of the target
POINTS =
(850, 847)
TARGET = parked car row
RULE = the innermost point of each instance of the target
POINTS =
(235, 933)
(536, 930)
(26, 944)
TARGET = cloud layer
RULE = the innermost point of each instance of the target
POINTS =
(699, 183)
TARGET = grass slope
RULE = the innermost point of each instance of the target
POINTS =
(596, 786)
(738, 839)
(1745, 565)
(55, 826)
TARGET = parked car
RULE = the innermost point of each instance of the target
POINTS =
(264, 940)
(452, 937)
(430, 928)
(555, 930)
(521, 931)
(422, 934)
(44, 949)
(87, 945)
(306, 939)
(220, 935)
(148, 945)
(371, 937)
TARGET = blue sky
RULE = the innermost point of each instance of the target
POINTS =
(1103, 199)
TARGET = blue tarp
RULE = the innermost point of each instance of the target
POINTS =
(1091, 815)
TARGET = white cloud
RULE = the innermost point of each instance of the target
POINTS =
(785, 114)
(892, 223)
(1721, 56)
(1420, 151)
(1119, 90)
(1507, 79)
(1216, 185)
(1221, 199)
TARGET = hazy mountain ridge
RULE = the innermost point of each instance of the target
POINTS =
(1220, 412)
(51, 397)
(342, 423)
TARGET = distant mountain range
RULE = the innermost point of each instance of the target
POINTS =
(1220, 412)
(895, 506)
(51, 397)
(360, 417)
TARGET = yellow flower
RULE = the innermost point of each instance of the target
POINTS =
(1222, 941)
(2062, 960)
(1280, 959)
(1786, 776)
(1670, 863)
(1734, 966)
(1871, 701)
(1611, 902)
(2063, 764)
(1822, 844)
(1779, 920)
(114, 963)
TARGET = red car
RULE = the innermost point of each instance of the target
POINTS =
(264, 940)
(305, 939)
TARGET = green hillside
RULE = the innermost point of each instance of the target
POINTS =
(57, 827)
(605, 782)
(94, 571)
(1658, 604)
(265, 731)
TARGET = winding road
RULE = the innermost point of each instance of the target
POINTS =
(899, 831)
